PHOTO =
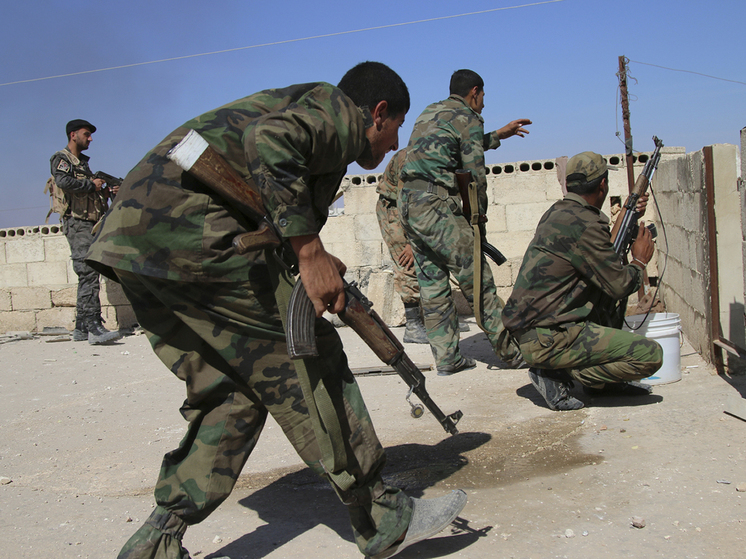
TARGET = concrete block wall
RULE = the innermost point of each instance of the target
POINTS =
(38, 285)
(519, 194)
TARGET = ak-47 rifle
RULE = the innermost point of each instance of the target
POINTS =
(194, 155)
(610, 312)
(463, 178)
(625, 229)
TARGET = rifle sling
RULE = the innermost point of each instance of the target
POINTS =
(474, 220)
(324, 418)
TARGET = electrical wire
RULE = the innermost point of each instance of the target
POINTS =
(687, 71)
(337, 34)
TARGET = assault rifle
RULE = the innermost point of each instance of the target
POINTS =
(110, 180)
(626, 227)
(463, 178)
(194, 155)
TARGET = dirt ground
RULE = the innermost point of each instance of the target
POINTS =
(84, 429)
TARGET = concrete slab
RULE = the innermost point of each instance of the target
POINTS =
(84, 429)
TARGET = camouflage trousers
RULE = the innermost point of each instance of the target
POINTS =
(592, 354)
(443, 245)
(79, 237)
(405, 280)
(226, 342)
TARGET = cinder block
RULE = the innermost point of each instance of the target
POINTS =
(24, 321)
(25, 250)
(56, 248)
(501, 274)
(65, 297)
(361, 200)
(3, 259)
(356, 254)
(337, 229)
(45, 273)
(5, 300)
(385, 301)
(513, 244)
(496, 220)
(367, 228)
(525, 217)
(30, 298)
(13, 275)
(58, 316)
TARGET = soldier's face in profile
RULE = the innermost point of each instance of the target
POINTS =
(82, 138)
(383, 137)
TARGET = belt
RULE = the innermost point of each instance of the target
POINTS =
(428, 186)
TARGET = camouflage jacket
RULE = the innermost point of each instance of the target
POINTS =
(72, 175)
(449, 135)
(388, 186)
(295, 143)
(569, 266)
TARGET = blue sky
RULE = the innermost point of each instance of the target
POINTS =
(554, 63)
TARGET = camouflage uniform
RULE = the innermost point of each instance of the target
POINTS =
(447, 136)
(85, 206)
(405, 280)
(569, 271)
(211, 314)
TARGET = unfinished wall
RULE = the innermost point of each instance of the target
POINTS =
(37, 282)
(38, 285)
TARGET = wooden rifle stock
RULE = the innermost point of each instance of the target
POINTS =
(463, 179)
(194, 155)
(359, 315)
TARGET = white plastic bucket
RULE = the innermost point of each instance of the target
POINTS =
(664, 328)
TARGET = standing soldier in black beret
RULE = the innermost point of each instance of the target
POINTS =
(85, 203)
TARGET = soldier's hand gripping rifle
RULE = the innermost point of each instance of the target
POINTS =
(625, 229)
(194, 155)
(463, 178)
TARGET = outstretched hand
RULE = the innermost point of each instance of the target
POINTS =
(514, 128)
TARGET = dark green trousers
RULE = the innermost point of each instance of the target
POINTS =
(226, 343)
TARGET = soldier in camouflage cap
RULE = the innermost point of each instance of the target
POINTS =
(447, 136)
(569, 272)
(212, 315)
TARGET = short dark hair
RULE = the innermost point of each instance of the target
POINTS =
(462, 82)
(369, 83)
(585, 187)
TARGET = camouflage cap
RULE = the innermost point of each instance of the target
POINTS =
(585, 167)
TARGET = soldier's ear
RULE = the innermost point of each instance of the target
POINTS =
(380, 113)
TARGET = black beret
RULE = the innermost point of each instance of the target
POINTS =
(77, 124)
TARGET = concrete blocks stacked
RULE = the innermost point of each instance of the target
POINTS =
(38, 285)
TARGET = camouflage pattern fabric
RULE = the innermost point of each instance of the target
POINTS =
(443, 244)
(164, 223)
(226, 343)
(79, 237)
(72, 175)
(592, 354)
(569, 268)
(212, 317)
(387, 212)
(449, 135)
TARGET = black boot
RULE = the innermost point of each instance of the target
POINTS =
(415, 332)
(97, 334)
(80, 334)
(554, 386)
